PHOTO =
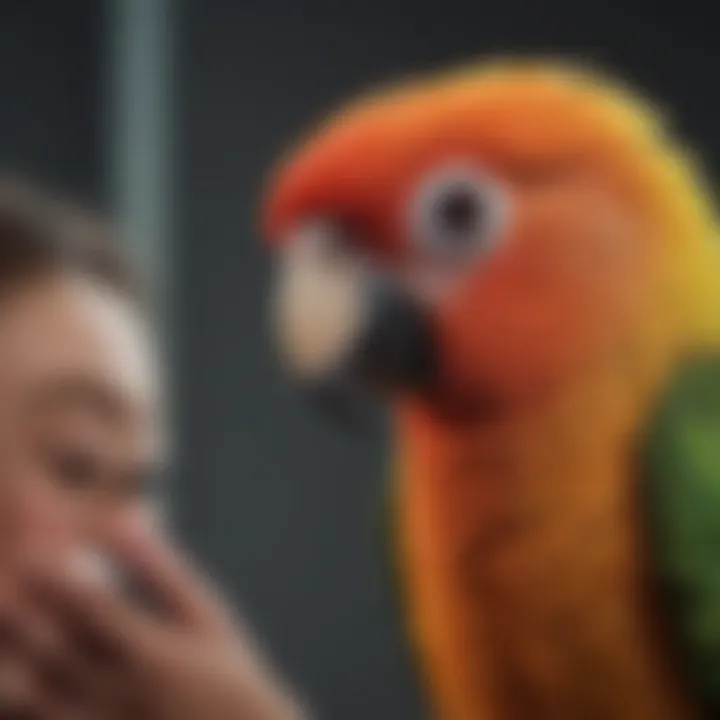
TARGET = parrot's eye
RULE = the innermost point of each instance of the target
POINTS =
(458, 214)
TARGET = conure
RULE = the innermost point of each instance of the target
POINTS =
(524, 260)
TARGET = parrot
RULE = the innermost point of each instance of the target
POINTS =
(521, 259)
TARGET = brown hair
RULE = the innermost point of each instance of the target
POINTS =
(42, 233)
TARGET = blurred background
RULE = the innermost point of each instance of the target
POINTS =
(168, 114)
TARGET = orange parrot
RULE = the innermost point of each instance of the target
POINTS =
(520, 257)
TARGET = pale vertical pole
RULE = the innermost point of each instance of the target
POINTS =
(140, 133)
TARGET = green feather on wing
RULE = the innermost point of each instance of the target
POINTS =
(681, 491)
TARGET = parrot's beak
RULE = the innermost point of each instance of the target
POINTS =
(343, 328)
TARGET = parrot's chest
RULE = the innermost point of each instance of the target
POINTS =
(526, 583)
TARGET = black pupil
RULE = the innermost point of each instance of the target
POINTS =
(459, 212)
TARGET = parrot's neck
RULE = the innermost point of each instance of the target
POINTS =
(511, 525)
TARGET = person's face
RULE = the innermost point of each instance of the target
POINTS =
(79, 425)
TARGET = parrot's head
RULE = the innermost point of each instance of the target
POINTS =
(473, 240)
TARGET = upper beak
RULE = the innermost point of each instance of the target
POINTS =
(343, 327)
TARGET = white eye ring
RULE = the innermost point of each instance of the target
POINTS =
(459, 213)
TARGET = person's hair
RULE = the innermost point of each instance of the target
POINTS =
(41, 233)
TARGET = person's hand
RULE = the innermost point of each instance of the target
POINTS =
(106, 657)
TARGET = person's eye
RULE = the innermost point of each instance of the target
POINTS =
(74, 468)
(459, 213)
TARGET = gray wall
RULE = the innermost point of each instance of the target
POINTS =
(282, 506)
(51, 72)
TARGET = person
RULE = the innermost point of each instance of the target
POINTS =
(80, 438)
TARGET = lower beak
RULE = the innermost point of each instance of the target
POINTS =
(343, 329)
